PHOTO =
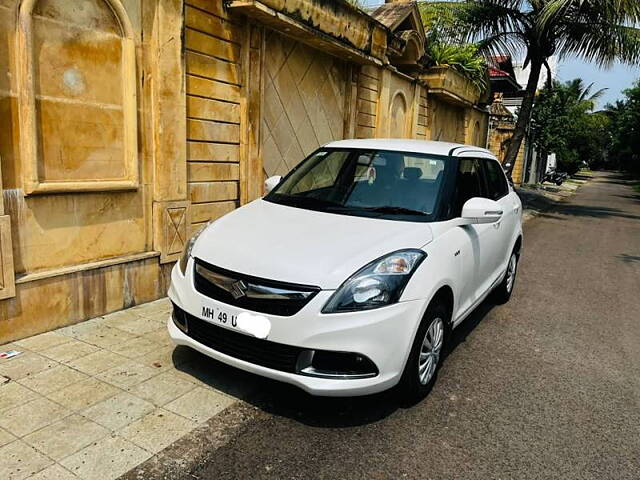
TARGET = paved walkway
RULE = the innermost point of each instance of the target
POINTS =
(95, 399)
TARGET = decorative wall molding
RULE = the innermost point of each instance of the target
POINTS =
(171, 228)
(85, 267)
(28, 118)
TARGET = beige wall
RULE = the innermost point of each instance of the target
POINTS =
(213, 55)
(368, 93)
(304, 102)
(76, 56)
(446, 121)
(499, 142)
(79, 147)
(476, 126)
(422, 118)
(149, 118)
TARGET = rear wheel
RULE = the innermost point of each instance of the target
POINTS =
(426, 355)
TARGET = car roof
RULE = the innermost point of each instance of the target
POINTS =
(414, 146)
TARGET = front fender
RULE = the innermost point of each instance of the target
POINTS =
(441, 268)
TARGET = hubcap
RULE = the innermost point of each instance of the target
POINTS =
(430, 351)
(511, 272)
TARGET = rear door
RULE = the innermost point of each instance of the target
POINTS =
(498, 190)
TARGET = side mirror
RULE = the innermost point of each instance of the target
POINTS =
(271, 183)
(481, 210)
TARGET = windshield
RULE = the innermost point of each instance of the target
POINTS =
(382, 184)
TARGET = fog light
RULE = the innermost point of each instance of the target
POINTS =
(339, 365)
(179, 318)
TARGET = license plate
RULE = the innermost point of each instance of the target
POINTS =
(219, 315)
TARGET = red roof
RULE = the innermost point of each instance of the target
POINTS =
(496, 72)
(501, 58)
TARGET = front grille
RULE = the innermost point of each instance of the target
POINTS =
(256, 294)
(250, 349)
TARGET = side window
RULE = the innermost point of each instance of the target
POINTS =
(469, 184)
(497, 182)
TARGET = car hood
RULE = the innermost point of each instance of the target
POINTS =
(289, 244)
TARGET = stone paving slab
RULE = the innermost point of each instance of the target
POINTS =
(96, 399)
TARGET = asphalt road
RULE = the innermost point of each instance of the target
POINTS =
(547, 386)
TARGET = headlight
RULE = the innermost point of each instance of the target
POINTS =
(186, 252)
(378, 284)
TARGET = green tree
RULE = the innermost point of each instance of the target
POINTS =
(594, 30)
(565, 124)
(625, 131)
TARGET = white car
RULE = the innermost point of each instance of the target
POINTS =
(348, 277)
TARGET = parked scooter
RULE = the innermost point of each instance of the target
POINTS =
(554, 176)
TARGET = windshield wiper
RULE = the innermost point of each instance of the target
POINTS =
(309, 202)
(395, 210)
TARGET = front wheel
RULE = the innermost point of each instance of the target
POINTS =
(502, 293)
(426, 355)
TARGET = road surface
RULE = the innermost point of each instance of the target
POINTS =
(547, 386)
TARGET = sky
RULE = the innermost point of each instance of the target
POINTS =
(616, 79)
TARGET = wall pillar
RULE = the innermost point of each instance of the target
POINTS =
(166, 94)
(7, 278)
(251, 101)
(384, 101)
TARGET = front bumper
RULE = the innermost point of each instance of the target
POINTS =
(383, 335)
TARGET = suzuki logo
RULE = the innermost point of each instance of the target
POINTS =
(238, 289)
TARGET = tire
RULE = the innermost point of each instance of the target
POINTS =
(502, 293)
(434, 327)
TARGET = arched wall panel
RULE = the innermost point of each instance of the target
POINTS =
(77, 102)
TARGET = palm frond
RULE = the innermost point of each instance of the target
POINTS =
(587, 95)
(601, 43)
(487, 18)
(617, 11)
(506, 43)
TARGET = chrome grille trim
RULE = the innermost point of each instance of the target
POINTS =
(252, 290)
(251, 293)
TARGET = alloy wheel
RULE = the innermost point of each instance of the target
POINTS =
(430, 351)
(511, 272)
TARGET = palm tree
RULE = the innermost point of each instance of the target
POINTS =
(594, 30)
(582, 95)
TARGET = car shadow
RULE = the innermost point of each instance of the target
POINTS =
(284, 400)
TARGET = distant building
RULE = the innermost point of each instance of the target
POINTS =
(507, 98)
(508, 80)
(522, 74)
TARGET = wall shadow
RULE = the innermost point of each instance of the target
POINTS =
(587, 211)
(635, 197)
(628, 258)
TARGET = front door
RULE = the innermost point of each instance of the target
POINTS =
(478, 255)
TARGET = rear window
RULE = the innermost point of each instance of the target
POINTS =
(496, 180)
